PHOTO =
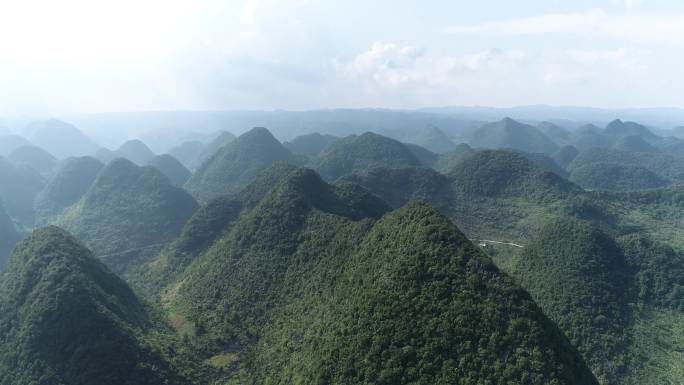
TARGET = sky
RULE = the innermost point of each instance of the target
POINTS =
(85, 56)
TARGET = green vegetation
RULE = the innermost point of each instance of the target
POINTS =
(565, 155)
(212, 148)
(616, 177)
(431, 138)
(311, 144)
(451, 159)
(512, 135)
(9, 236)
(18, 189)
(579, 277)
(128, 214)
(69, 183)
(188, 153)
(310, 287)
(236, 164)
(60, 139)
(65, 319)
(633, 143)
(34, 157)
(136, 151)
(665, 166)
(360, 153)
(426, 157)
(172, 168)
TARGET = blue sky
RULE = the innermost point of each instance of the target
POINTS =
(78, 56)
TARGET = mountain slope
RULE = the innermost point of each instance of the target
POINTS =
(65, 319)
(580, 278)
(9, 236)
(128, 213)
(172, 168)
(35, 157)
(136, 151)
(309, 287)
(211, 148)
(18, 189)
(9, 143)
(60, 139)
(665, 166)
(188, 153)
(236, 164)
(633, 143)
(432, 139)
(616, 177)
(311, 144)
(511, 134)
(70, 182)
(359, 153)
(565, 155)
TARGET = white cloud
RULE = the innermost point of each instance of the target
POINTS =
(592, 24)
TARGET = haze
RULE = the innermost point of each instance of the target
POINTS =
(80, 56)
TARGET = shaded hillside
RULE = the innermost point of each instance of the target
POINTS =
(236, 164)
(616, 177)
(172, 168)
(211, 148)
(18, 189)
(69, 183)
(580, 278)
(34, 157)
(128, 213)
(136, 151)
(9, 143)
(633, 143)
(618, 129)
(66, 319)
(449, 160)
(514, 135)
(9, 236)
(60, 139)
(310, 145)
(359, 153)
(310, 287)
(565, 155)
(665, 166)
(188, 153)
(432, 139)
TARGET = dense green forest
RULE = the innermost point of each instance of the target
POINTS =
(532, 254)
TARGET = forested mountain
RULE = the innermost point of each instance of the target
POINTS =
(236, 164)
(188, 153)
(310, 145)
(431, 138)
(619, 129)
(309, 258)
(633, 143)
(128, 213)
(136, 151)
(9, 236)
(35, 158)
(514, 135)
(358, 153)
(588, 258)
(172, 168)
(66, 319)
(211, 148)
(666, 167)
(616, 177)
(105, 155)
(19, 187)
(69, 183)
(565, 155)
(9, 143)
(558, 135)
(60, 139)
